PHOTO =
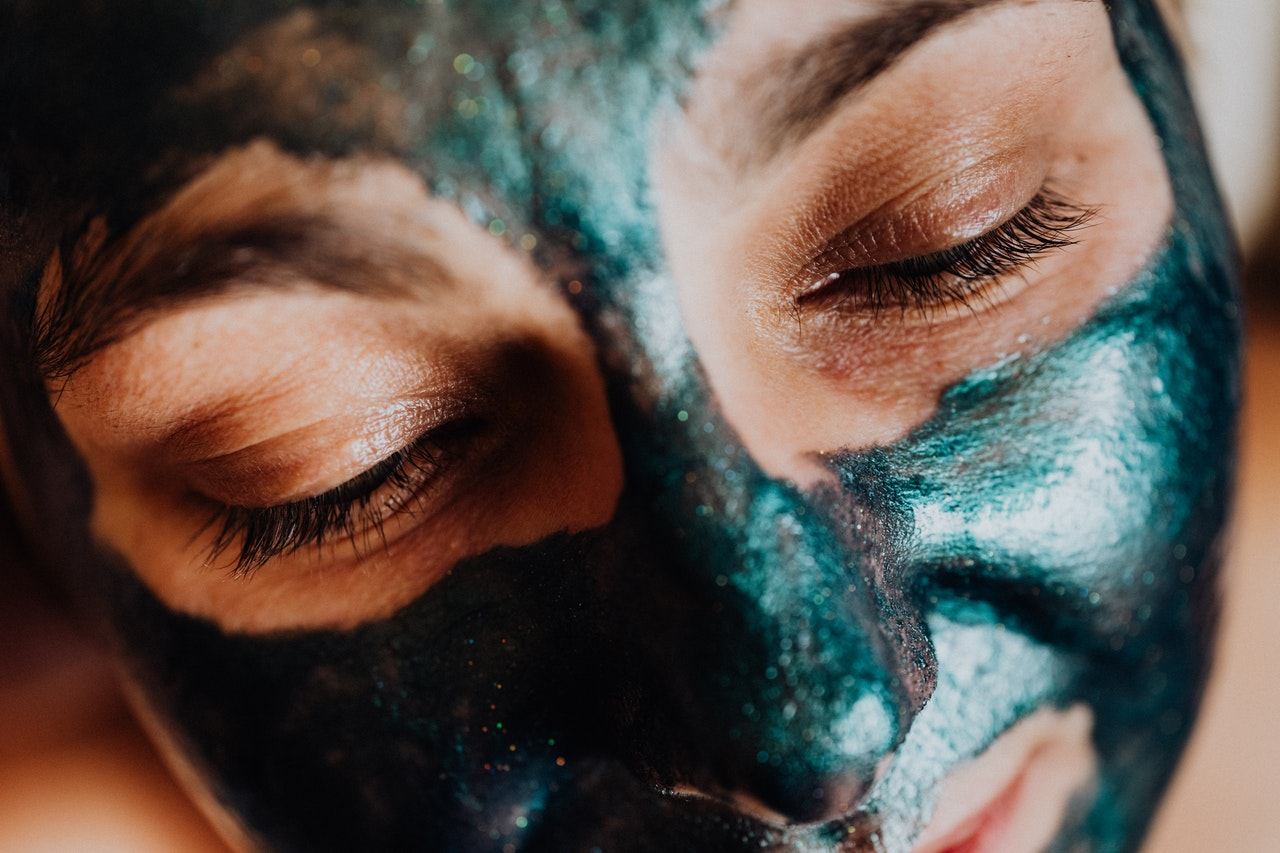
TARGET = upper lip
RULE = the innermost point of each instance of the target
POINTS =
(979, 794)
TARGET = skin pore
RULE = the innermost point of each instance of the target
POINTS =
(526, 428)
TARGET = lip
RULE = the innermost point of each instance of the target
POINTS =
(1014, 797)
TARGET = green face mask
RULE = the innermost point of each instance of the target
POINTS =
(1048, 539)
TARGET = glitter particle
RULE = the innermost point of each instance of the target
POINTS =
(463, 63)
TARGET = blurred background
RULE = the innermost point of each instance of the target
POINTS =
(76, 775)
(1225, 794)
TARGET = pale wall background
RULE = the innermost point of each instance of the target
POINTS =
(1235, 62)
(1227, 796)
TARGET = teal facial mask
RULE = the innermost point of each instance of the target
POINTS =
(1049, 538)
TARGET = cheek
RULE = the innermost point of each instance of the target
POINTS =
(1082, 490)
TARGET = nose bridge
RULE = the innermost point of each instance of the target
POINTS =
(797, 687)
(783, 663)
(837, 711)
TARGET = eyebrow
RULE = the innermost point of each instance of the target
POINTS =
(795, 99)
(103, 287)
(102, 299)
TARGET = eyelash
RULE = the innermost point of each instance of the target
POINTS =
(960, 274)
(346, 511)
(956, 275)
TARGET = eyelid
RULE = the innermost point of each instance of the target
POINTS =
(306, 462)
(461, 436)
(931, 216)
(411, 481)
(959, 273)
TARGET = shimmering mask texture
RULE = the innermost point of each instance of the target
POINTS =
(1049, 537)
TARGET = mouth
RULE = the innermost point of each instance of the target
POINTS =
(1014, 797)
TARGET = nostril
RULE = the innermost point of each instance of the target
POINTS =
(812, 805)
(811, 801)
(752, 805)
(744, 802)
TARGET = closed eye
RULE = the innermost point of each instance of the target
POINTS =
(355, 511)
(957, 275)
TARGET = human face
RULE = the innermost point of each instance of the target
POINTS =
(645, 426)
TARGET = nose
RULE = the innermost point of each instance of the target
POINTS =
(815, 708)
(780, 677)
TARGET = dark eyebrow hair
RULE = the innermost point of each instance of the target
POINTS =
(794, 99)
(100, 288)
(100, 299)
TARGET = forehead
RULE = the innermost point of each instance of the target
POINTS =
(128, 94)
(126, 102)
(531, 116)
(398, 75)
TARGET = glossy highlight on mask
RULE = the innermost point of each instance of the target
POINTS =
(732, 661)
